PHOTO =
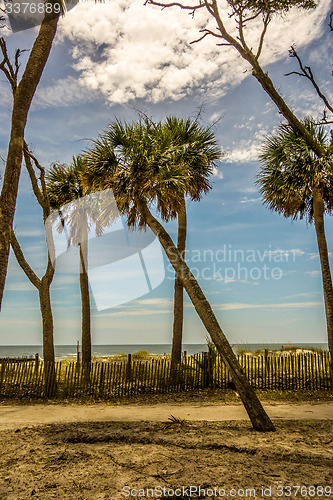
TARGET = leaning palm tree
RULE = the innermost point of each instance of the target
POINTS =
(298, 184)
(195, 149)
(64, 187)
(138, 165)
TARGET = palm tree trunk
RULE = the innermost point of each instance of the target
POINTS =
(256, 412)
(178, 308)
(318, 214)
(48, 344)
(85, 301)
(22, 100)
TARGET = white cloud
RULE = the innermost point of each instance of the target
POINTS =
(29, 233)
(316, 255)
(217, 173)
(313, 274)
(249, 200)
(302, 294)
(155, 302)
(126, 50)
(293, 252)
(138, 312)
(287, 305)
(64, 92)
(248, 150)
(23, 286)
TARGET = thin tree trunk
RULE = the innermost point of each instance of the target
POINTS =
(43, 287)
(85, 301)
(48, 345)
(22, 100)
(256, 412)
(178, 308)
(295, 123)
(318, 214)
(47, 320)
(264, 80)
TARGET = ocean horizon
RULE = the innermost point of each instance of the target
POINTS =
(70, 351)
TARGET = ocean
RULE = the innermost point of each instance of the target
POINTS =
(70, 351)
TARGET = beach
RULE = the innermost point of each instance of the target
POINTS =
(116, 451)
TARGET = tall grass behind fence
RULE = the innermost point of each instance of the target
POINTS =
(124, 377)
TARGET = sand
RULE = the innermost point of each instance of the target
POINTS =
(104, 451)
(18, 416)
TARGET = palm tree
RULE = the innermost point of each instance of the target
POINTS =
(195, 149)
(137, 164)
(64, 187)
(296, 183)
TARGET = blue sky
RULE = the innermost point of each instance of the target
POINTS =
(110, 61)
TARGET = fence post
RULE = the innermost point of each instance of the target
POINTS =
(129, 366)
(266, 383)
(36, 363)
(2, 374)
(101, 380)
(78, 356)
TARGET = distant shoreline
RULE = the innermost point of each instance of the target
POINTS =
(102, 351)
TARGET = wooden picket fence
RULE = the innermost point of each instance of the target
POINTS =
(124, 377)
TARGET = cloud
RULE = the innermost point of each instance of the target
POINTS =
(316, 255)
(248, 150)
(217, 173)
(249, 200)
(137, 312)
(293, 252)
(126, 51)
(302, 294)
(286, 305)
(20, 286)
(29, 233)
(154, 302)
(64, 92)
(313, 274)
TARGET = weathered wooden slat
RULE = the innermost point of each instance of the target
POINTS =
(289, 371)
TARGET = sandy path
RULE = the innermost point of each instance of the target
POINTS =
(15, 416)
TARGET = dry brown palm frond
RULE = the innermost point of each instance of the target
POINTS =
(173, 421)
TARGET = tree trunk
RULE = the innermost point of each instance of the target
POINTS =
(48, 345)
(295, 123)
(22, 100)
(265, 82)
(178, 307)
(318, 214)
(85, 301)
(257, 414)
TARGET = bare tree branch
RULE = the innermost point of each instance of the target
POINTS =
(307, 73)
(266, 22)
(206, 32)
(267, 9)
(175, 4)
(43, 191)
(6, 66)
(32, 175)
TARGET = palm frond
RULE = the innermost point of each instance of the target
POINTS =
(290, 171)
